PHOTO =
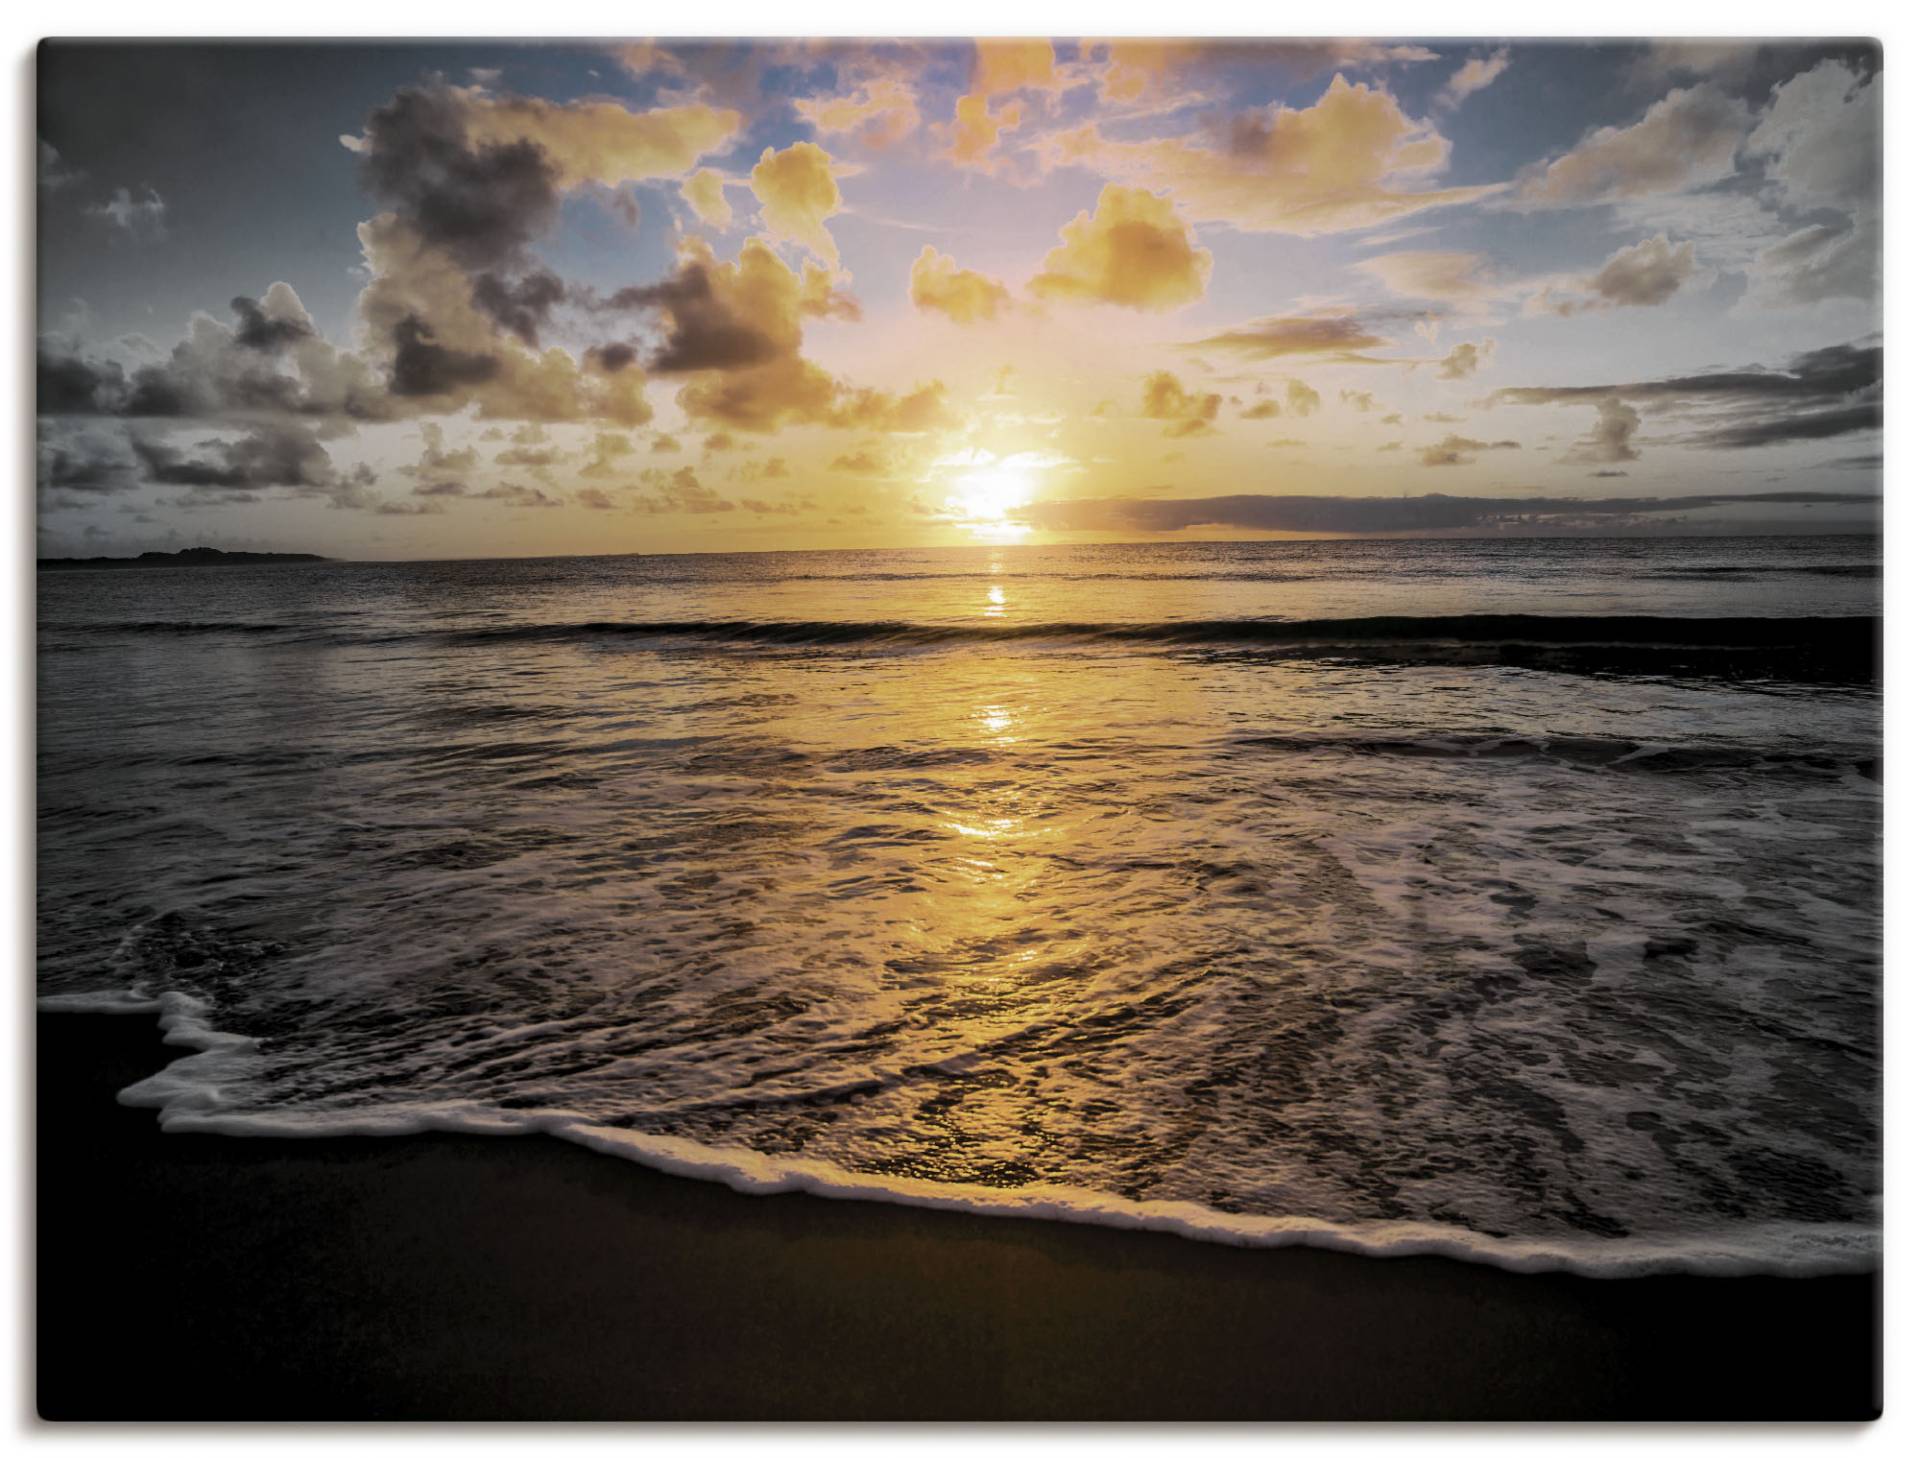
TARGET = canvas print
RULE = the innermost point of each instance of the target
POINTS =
(1022, 728)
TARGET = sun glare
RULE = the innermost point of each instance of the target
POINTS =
(986, 500)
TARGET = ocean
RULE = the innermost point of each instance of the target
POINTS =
(1513, 900)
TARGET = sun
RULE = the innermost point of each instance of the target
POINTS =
(984, 502)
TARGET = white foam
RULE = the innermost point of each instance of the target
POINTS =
(99, 1002)
(187, 1095)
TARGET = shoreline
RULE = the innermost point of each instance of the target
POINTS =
(451, 1277)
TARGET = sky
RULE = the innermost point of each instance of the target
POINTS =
(460, 300)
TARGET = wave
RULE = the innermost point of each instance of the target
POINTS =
(1819, 649)
(1594, 751)
(188, 1100)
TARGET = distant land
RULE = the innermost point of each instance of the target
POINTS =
(188, 557)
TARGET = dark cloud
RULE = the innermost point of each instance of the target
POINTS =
(266, 456)
(703, 332)
(523, 306)
(273, 362)
(421, 367)
(1459, 450)
(1802, 425)
(266, 332)
(70, 385)
(1377, 514)
(1818, 395)
(483, 204)
(90, 460)
(613, 358)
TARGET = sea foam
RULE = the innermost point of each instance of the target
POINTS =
(188, 1101)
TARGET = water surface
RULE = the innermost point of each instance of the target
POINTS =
(1123, 883)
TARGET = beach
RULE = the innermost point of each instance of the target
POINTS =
(446, 1278)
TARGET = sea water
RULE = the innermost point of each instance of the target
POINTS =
(1513, 900)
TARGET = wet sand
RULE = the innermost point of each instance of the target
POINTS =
(196, 1277)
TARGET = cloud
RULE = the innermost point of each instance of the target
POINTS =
(520, 307)
(273, 363)
(85, 458)
(797, 194)
(729, 316)
(976, 129)
(1136, 70)
(598, 142)
(517, 494)
(1360, 515)
(1463, 359)
(878, 113)
(423, 367)
(1454, 277)
(282, 454)
(705, 192)
(1685, 140)
(1133, 250)
(683, 492)
(736, 328)
(142, 219)
(1640, 275)
(442, 352)
(1164, 398)
(1001, 66)
(1820, 138)
(939, 285)
(1458, 450)
(860, 463)
(1647, 273)
(1341, 337)
(609, 448)
(1820, 394)
(440, 471)
(273, 324)
(1818, 262)
(1361, 400)
(1351, 160)
(1477, 74)
(51, 173)
(481, 176)
(1302, 399)
(1610, 442)
(480, 201)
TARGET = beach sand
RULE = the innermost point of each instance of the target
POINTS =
(455, 1277)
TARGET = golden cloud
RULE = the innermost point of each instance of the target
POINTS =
(737, 327)
(1000, 66)
(976, 129)
(1340, 336)
(879, 112)
(797, 194)
(706, 193)
(1351, 160)
(1133, 250)
(601, 141)
(1163, 397)
(940, 285)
